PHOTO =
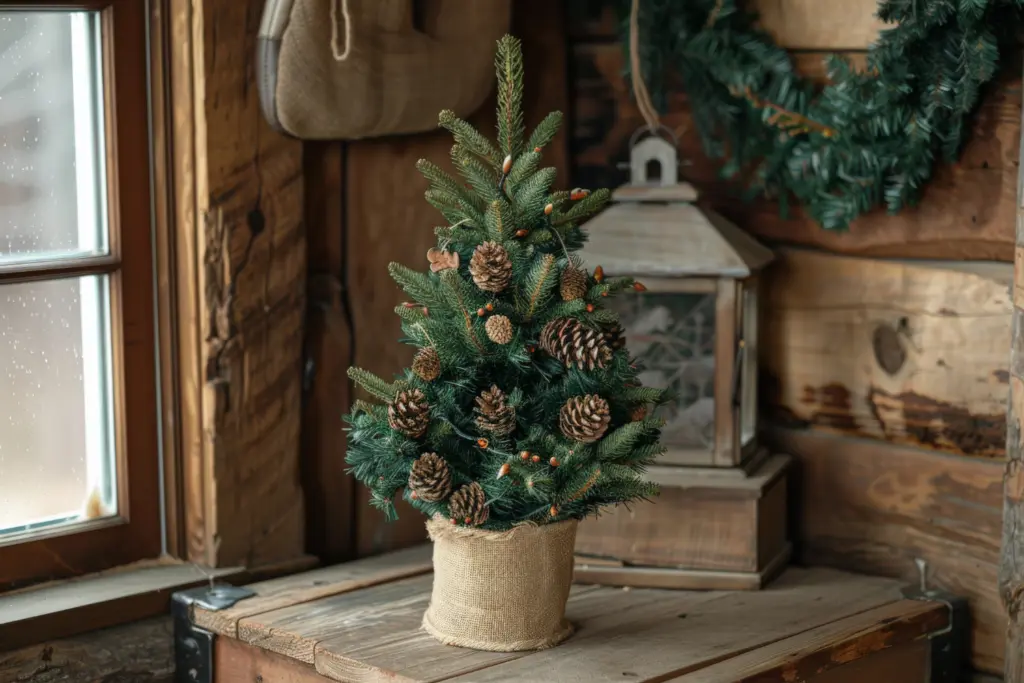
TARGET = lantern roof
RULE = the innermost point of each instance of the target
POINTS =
(652, 228)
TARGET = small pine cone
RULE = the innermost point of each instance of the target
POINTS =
(409, 413)
(491, 267)
(499, 329)
(427, 364)
(638, 413)
(615, 335)
(573, 284)
(468, 505)
(584, 418)
(430, 479)
(493, 414)
(575, 344)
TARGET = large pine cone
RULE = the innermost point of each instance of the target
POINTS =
(493, 414)
(427, 364)
(584, 418)
(409, 413)
(575, 344)
(573, 284)
(491, 267)
(469, 505)
(430, 479)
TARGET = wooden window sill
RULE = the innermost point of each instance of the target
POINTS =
(65, 608)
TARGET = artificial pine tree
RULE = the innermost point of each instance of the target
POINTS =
(522, 405)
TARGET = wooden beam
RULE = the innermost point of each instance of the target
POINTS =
(873, 507)
(242, 266)
(1011, 567)
(909, 352)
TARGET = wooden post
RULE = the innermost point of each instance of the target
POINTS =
(1011, 569)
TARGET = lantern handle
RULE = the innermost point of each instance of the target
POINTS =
(661, 129)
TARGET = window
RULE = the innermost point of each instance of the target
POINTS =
(79, 459)
(748, 396)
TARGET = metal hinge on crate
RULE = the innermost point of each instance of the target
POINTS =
(951, 646)
(193, 646)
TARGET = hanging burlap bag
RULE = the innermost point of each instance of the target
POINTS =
(501, 591)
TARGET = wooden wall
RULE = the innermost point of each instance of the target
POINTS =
(365, 209)
(885, 349)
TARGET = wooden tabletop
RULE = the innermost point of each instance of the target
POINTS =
(361, 622)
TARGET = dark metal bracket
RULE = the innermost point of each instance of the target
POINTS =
(193, 646)
(951, 646)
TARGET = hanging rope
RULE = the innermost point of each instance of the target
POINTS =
(643, 98)
(340, 7)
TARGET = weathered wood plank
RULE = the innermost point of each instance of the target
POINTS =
(967, 211)
(236, 662)
(314, 585)
(393, 647)
(659, 642)
(1011, 565)
(388, 220)
(243, 247)
(795, 24)
(873, 507)
(142, 651)
(899, 351)
(828, 648)
(330, 492)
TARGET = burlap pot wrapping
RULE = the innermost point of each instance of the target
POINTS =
(501, 591)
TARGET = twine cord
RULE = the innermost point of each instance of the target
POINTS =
(640, 93)
(340, 7)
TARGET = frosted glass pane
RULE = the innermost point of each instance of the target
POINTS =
(56, 446)
(673, 338)
(52, 177)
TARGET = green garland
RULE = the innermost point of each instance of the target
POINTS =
(869, 137)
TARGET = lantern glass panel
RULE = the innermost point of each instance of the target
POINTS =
(672, 336)
(748, 371)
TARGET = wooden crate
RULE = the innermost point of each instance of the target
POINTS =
(361, 622)
(721, 530)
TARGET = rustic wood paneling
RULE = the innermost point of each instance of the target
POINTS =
(873, 507)
(330, 492)
(907, 352)
(387, 220)
(243, 249)
(966, 212)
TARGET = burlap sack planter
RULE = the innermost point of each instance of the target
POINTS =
(501, 591)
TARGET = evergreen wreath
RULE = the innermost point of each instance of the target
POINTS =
(870, 137)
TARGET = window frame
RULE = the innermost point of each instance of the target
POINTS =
(135, 532)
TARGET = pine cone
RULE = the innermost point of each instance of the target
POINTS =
(499, 329)
(409, 413)
(573, 284)
(573, 343)
(469, 505)
(615, 335)
(638, 413)
(427, 364)
(584, 418)
(493, 414)
(430, 479)
(491, 267)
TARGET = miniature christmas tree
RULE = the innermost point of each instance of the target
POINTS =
(522, 404)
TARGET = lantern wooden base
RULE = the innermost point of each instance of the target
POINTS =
(709, 529)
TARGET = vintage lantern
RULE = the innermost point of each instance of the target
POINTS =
(720, 519)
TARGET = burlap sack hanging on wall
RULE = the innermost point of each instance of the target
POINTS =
(350, 69)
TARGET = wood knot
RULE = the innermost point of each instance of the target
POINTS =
(888, 348)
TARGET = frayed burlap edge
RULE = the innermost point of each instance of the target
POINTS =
(439, 527)
(566, 630)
